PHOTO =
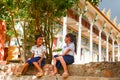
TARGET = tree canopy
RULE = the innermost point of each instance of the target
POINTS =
(40, 16)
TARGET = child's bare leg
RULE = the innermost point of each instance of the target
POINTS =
(37, 66)
(24, 67)
(54, 64)
(60, 58)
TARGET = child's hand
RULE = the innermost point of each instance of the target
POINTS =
(28, 58)
(60, 55)
(39, 62)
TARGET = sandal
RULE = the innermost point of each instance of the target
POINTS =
(18, 74)
(65, 75)
(53, 74)
(39, 74)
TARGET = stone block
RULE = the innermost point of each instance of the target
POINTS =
(76, 70)
(108, 73)
(3, 62)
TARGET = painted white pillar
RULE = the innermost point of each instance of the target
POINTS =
(79, 40)
(100, 46)
(91, 42)
(113, 51)
(118, 52)
(107, 45)
(64, 29)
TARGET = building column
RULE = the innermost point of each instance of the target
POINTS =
(64, 29)
(118, 52)
(91, 42)
(91, 36)
(79, 40)
(100, 46)
(107, 45)
(113, 51)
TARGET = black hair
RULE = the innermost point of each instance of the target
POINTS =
(72, 39)
(37, 36)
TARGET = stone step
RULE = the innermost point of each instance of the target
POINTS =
(27, 77)
(102, 69)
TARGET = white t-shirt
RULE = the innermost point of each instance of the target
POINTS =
(37, 51)
(70, 46)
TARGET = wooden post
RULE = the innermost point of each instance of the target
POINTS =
(2, 38)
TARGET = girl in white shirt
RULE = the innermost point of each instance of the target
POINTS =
(67, 56)
(37, 56)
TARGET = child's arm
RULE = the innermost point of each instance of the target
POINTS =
(42, 57)
(32, 55)
(66, 52)
(69, 48)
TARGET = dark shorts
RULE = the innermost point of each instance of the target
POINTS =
(67, 58)
(35, 59)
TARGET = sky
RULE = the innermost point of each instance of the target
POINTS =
(114, 5)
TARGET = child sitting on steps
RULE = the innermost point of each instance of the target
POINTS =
(37, 57)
